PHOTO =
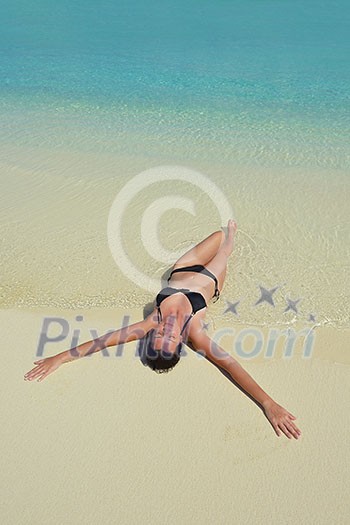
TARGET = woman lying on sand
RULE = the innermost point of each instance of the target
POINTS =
(178, 317)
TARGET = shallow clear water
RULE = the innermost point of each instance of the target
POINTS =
(263, 82)
(253, 94)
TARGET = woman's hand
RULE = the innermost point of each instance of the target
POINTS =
(44, 368)
(281, 420)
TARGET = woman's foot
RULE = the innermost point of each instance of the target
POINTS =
(231, 227)
(231, 231)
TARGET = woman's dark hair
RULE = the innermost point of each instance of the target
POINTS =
(158, 360)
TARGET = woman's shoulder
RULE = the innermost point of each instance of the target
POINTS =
(197, 324)
(151, 320)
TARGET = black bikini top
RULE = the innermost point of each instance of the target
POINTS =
(196, 299)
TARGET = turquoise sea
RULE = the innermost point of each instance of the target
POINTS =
(254, 94)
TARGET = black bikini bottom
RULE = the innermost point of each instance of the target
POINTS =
(199, 268)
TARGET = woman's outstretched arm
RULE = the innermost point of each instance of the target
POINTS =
(279, 417)
(46, 366)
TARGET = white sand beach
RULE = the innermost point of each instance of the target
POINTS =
(104, 439)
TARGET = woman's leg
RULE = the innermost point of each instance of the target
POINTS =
(203, 252)
(218, 264)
